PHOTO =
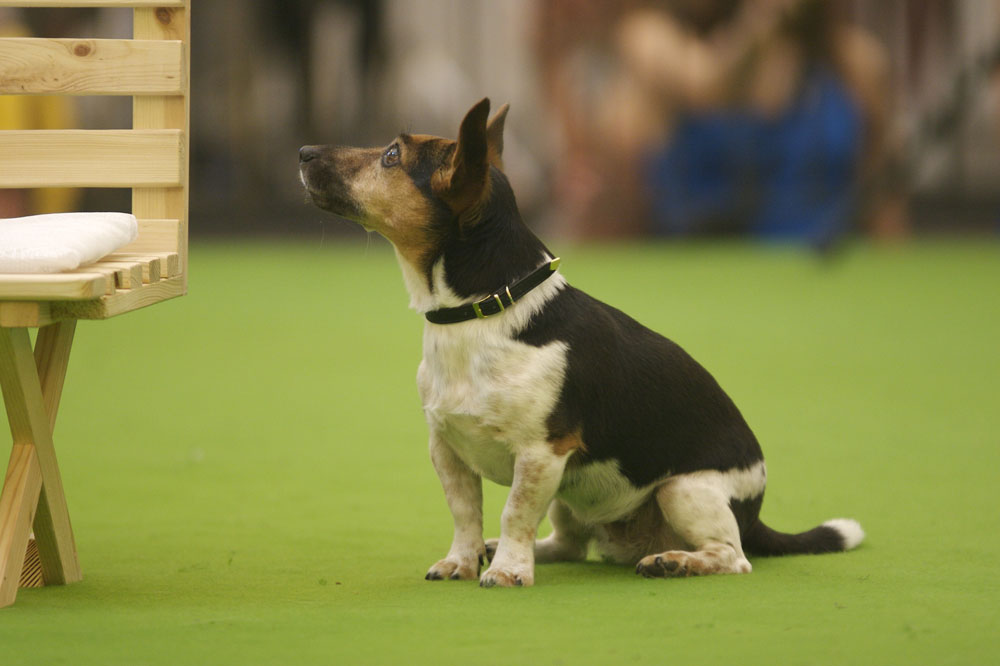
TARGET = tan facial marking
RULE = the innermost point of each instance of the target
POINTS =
(394, 206)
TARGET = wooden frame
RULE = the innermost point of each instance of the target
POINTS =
(151, 158)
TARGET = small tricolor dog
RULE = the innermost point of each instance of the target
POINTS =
(625, 439)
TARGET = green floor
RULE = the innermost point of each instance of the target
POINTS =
(247, 472)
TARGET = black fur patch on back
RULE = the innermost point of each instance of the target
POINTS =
(636, 397)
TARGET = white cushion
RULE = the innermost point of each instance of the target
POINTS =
(62, 241)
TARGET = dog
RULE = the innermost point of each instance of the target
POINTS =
(613, 429)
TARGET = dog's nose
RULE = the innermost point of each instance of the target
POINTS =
(308, 153)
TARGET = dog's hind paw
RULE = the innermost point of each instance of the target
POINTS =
(681, 564)
(664, 566)
(491, 548)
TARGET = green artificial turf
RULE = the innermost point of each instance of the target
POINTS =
(247, 473)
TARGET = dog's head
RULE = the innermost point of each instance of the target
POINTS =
(416, 191)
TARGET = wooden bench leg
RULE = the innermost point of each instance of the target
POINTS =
(32, 386)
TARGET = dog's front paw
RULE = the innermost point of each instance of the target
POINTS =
(507, 577)
(452, 568)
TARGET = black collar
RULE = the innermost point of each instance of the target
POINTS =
(497, 302)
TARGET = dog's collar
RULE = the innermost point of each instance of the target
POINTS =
(497, 302)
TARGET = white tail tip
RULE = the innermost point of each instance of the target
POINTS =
(850, 530)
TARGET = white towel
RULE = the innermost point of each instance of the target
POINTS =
(62, 241)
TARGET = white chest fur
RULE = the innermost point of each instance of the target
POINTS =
(487, 395)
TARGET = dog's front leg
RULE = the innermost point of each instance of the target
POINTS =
(537, 472)
(463, 489)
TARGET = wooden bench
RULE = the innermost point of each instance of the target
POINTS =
(151, 158)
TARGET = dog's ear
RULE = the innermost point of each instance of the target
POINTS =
(494, 136)
(463, 182)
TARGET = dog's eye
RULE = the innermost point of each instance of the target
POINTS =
(390, 157)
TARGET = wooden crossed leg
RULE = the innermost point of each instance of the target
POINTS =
(32, 490)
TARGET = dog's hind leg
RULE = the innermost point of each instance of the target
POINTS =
(463, 489)
(567, 543)
(569, 539)
(697, 508)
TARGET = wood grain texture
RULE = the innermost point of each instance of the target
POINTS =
(52, 287)
(155, 236)
(165, 112)
(148, 269)
(110, 273)
(169, 261)
(25, 314)
(52, 349)
(128, 274)
(92, 158)
(121, 302)
(91, 66)
(21, 486)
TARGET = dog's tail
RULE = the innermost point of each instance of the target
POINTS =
(832, 536)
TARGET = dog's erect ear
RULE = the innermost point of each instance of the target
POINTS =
(463, 182)
(494, 136)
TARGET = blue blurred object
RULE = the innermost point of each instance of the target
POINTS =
(788, 177)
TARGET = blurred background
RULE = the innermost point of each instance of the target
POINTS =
(800, 120)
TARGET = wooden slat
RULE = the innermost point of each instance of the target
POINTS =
(91, 66)
(126, 275)
(155, 236)
(169, 261)
(110, 274)
(57, 286)
(130, 273)
(91, 3)
(148, 268)
(91, 158)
